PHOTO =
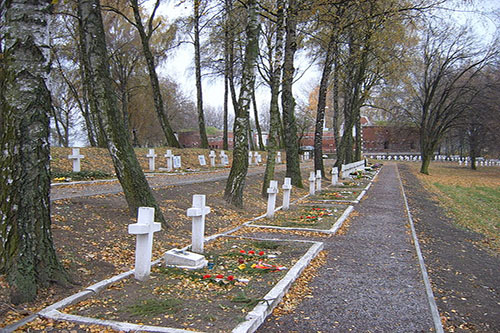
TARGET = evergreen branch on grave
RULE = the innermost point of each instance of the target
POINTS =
(154, 307)
(249, 302)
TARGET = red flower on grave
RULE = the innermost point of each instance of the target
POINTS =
(242, 251)
(207, 276)
(230, 278)
(220, 276)
(261, 253)
(251, 252)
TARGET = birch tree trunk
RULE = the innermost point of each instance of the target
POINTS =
(274, 126)
(153, 76)
(127, 168)
(27, 254)
(233, 193)
(287, 100)
(197, 66)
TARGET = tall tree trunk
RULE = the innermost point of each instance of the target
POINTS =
(287, 100)
(251, 142)
(233, 193)
(257, 123)
(129, 172)
(335, 102)
(27, 254)
(359, 140)
(275, 122)
(197, 66)
(153, 76)
(225, 143)
(320, 113)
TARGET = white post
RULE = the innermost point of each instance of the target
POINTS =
(312, 186)
(287, 190)
(212, 158)
(278, 157)
(318, 180)
(335, 176)
(76, 157)
(144, 229)
(151, 155)
(272, 191)
(249, 158)
(169, 157)
(198, 212)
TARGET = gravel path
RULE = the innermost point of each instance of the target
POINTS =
(371, 281)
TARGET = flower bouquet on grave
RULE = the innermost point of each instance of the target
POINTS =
(272, 268)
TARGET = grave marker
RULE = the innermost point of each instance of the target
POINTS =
(256, 158)
(318, 180)
(169, 157)
(212, 156)
(312, 186)
(201, 159)
(335, 176)
(151, 156)
(177, 162)
(198, 212)
(249, 158)
(287, 190)
(144, 229)
(76, 157)
(278, 157)
(272, 192)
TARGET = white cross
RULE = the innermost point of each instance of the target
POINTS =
(287, 189)
(169, 157)
(318, 180)
(144, 229)
(278, 157)
(312, 186)
(76, 157)
(198, 212)
(256, 157)
(249, 158)
(151, 155)
(272, 191)
(335, 176)
(212, 156)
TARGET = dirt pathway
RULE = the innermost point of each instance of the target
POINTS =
(371, 281)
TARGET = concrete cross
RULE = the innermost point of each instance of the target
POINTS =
(335, 176)
(151, 155)
(198, 212)
(169, 157)
(287, 189)
(249, 158)
(144, 229)
(312, 185)
(278, 157)
(318, 180)
(76, 157)
(272, 192)
(212, 156)
(256, 157)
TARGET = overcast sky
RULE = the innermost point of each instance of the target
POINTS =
(179, 65)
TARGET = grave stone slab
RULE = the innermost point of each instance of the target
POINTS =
(184, 259)
(177, 162)
(201, 159)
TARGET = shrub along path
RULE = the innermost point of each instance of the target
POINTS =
(371, 281)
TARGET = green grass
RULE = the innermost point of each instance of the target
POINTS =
(476, 208)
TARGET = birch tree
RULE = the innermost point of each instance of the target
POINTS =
(27, 254)
(127, 168)
(236, 182)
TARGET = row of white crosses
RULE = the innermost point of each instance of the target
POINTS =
(272, 192)
(146, 227)
(174, 162)
(315, 182)
(254, 158)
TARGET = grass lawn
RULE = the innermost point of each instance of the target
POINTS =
(471, 197)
